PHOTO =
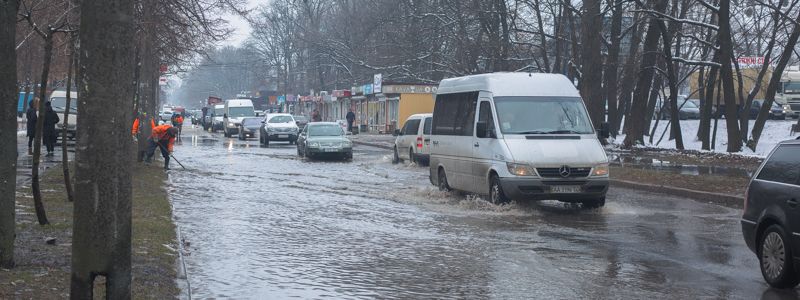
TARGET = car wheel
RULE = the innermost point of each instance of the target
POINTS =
(594, 203)
(443, 185)
(775, 258)
(396, 156)
(496, 194)
(411, 157)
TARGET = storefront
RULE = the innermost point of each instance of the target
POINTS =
(404, 100)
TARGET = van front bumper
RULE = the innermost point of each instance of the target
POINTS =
(542, 189)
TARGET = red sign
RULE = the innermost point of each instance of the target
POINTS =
(163, 68)
(751, 60)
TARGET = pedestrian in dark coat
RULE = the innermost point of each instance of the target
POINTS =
(31, 116)
(49, 134)
(351, 117)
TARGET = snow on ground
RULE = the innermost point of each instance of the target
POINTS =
(774, 132)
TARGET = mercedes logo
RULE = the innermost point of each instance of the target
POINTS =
(564, 171)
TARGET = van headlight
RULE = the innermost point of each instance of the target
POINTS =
(521, 169)
(787, 108)
(600, 170)
(347, 144)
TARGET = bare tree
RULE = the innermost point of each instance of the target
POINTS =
(8, 132)
(102, 217)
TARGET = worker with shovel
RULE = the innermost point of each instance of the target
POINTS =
(163, 137)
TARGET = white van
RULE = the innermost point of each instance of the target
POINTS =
(413, 140)
(58, 99)
(217, 117)
(517, 136)
(235, 111)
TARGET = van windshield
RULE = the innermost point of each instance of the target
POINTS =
(542, 115)
(60, 103)
(243, 111)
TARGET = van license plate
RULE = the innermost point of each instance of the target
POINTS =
(331, 150)
(283, 136)
(565, 189)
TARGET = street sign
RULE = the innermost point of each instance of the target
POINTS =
(377, 83)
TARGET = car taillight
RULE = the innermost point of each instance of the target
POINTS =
(419, 142)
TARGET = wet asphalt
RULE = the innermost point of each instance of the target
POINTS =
(261, 223)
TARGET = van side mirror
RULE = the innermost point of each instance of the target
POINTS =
(482, 130)
(397, 132)
(605, 131)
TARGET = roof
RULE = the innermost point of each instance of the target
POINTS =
(420, 115)
(512, 84)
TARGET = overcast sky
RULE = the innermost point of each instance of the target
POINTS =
(242, 29)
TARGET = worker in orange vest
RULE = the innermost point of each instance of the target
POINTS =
(177, 121)
(163, 137)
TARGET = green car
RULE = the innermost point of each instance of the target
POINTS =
(324, 139)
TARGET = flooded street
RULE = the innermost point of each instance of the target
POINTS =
(260, 223)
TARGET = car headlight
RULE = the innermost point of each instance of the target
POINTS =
(787, 108)
(347, 144)
(600, 170)
(232, 125)
(521, 169)
(313, 145)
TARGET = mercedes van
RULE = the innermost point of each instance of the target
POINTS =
(235, 111)
(517, 136)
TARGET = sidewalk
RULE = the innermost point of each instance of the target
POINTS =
(25, 161)
(384, 141)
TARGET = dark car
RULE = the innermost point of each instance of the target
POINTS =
(771, 218)
(687, 110)
(301, 121)
(249, 128)
(321, 139)
(775, 112)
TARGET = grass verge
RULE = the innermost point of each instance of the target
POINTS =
(43, 270)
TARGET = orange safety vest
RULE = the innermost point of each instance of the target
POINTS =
(160, 135)
(135, 128)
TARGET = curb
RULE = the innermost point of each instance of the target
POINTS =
(717, 198)
(382, 146)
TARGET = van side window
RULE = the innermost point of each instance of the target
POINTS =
(485, 115)
(454, 114)
(783, 166)
(411, 127)
(427, 129)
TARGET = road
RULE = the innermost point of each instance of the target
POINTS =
(262, 223)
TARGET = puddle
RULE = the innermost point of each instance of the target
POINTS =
(650, 163)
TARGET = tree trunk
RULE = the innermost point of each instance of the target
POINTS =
(726, 74)
(41, 216)
(64, 157)
(612, 65)
(635, 126)
(591, 65)
(772, 88)
(542, 37)
(704, 132)
(8, 131)
(103, 158)
(672, 81)
(630, 73)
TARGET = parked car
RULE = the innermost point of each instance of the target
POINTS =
(687, 110)
(235, 111)
(278, 127)
(166, 115)
(532, 139)
(776, 112)
(321, 139)
(413, 140)
(771, 218)
(301, 121)
(249, 128)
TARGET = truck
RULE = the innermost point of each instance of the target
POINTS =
(58, 99)
(788, 94)
(213, 101)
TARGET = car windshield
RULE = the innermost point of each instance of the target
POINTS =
(325, 130)
(688, 104)
(242, 111)
(542, 115)
(791, 87)
(251, 122)
(281, 119)
(60, 103)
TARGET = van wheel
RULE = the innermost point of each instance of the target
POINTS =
(775, 258)
(443, 185)
(594, 203)
(396, 157)
(496, 194)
